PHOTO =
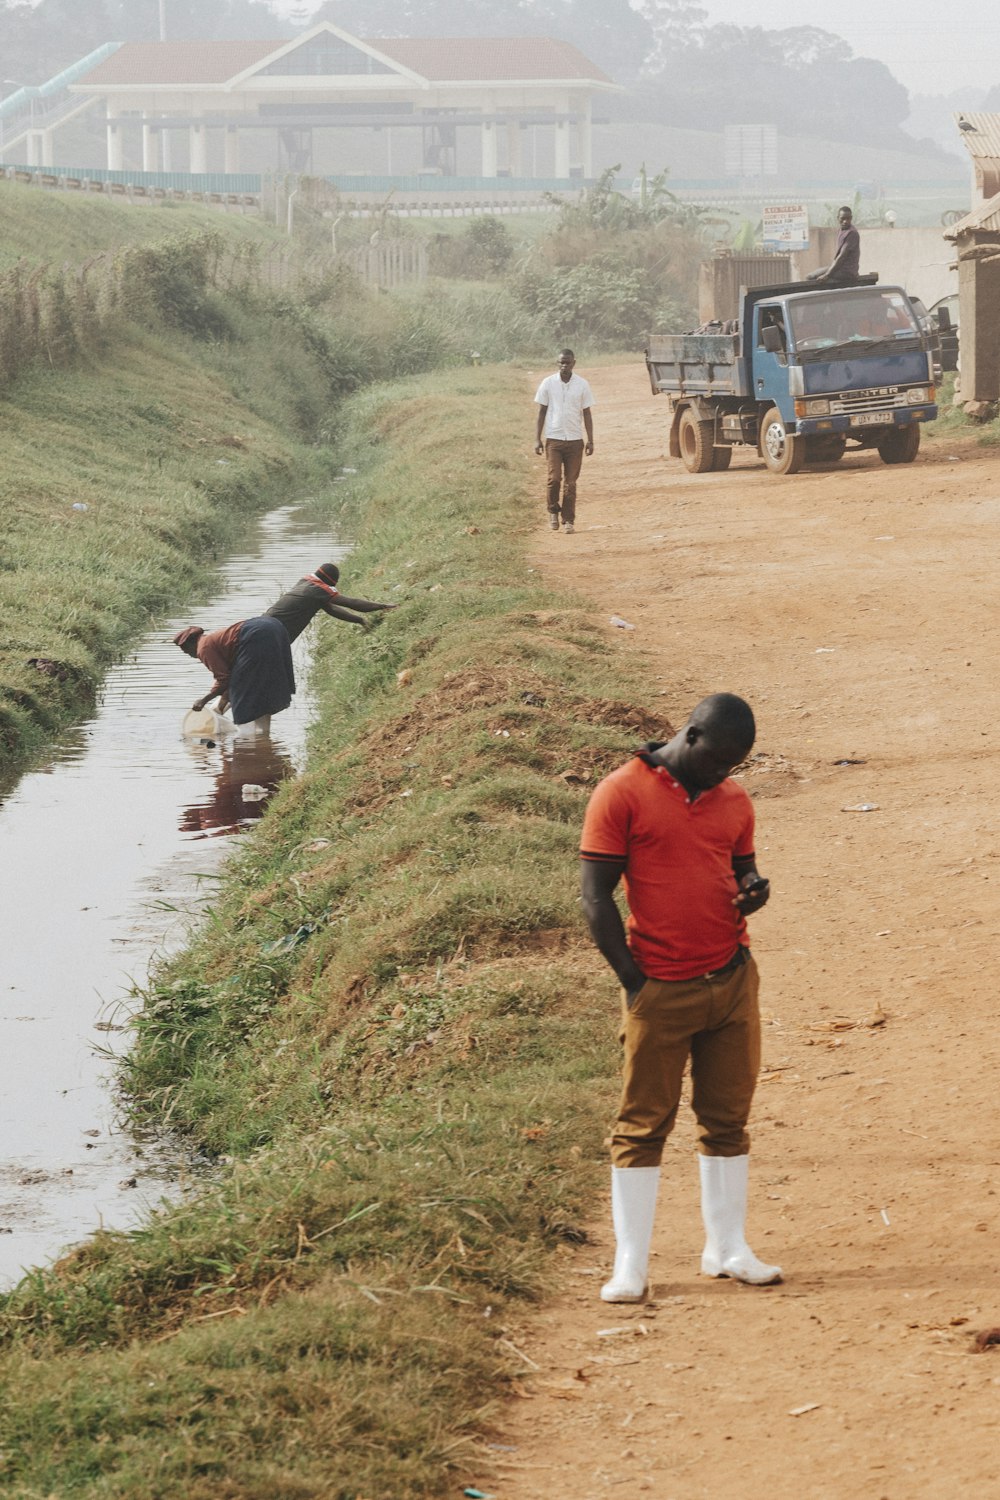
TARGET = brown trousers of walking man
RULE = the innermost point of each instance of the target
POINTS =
(564, 460)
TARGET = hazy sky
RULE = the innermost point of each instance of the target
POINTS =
(932, 46)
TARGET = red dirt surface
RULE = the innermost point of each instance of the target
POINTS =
(854, 607)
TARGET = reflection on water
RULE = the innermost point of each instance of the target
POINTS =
(105, 849)
(256, 762)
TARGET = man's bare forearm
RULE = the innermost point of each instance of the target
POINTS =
(608, 932)
(605, 922)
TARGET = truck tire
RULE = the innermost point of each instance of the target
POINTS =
(826, 449)
(901, 445)
(697, 444)
(782, 452)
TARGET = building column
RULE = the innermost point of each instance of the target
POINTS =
(489, 133)
(978, 287)
(561, 168)
(150, 147)
(514, 156)
(199, 147)
(587, 140)
(232, 149)
(116, 145)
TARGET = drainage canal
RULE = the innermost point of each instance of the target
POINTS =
(107, 849)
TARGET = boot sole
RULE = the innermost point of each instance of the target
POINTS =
(746, 1280)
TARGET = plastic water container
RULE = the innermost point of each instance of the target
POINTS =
(206, 724)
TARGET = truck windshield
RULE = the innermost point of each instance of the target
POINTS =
(868, 315)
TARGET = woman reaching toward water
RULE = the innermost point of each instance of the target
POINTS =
(318, 591)
(251, 665)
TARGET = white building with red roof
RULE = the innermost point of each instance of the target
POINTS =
(194, 104)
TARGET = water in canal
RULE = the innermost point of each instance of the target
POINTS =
(105, 850)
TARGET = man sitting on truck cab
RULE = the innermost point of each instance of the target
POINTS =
(843, 269)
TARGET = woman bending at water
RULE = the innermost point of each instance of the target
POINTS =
(251, 665)
(318, 591)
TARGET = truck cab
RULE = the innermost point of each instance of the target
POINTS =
(811, 369)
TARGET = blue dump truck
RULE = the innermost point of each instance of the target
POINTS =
(807, 370)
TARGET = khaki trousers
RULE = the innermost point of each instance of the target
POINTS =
(716, 1021)
(564, 460)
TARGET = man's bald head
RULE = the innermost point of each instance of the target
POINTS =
(728, 719)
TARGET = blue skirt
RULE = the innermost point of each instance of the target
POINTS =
(262, 678)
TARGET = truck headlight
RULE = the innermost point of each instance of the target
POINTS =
(815, 407)
(918, 395)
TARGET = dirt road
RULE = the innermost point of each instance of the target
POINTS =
(855, 608)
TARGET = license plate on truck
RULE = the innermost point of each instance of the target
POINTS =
(870, 418)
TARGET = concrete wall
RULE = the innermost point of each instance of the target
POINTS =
(919, 259)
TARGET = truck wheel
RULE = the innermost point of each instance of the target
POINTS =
(825, 450)
(781, 451)
(721, 458)
(901, 445)
(696, 442)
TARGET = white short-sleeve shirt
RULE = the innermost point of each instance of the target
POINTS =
(566, 401)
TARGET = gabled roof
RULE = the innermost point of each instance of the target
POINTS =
(483, 59)
(434, 59)
(145, 64)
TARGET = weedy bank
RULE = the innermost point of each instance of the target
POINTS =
(146, 416)
(387, 1029)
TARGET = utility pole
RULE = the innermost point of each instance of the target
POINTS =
(165, 162)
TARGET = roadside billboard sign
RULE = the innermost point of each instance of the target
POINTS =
(786, 226)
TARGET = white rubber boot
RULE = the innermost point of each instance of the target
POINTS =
(633, 1208)
(724, 1182)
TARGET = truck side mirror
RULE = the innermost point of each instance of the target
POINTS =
(772, 339)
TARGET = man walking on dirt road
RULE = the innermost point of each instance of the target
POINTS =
(564, 403)
(680, 833)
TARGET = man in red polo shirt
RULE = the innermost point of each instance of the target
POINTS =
(680, 833)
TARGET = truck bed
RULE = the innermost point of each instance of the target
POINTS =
(694, 364)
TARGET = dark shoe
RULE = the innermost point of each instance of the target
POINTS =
(554, 519)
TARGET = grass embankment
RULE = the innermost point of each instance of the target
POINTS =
(170, 466)
(134, 459)
(389, 1024)
(53, 227)
(132, 465)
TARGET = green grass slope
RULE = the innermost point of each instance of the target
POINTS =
(168, 462)
(52, 227)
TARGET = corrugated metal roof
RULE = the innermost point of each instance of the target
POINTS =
(981, 134)
(493, 59)
(440, 60)
(985, 216)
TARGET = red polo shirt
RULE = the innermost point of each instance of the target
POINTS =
(678, 856)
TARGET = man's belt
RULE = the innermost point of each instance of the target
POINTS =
(737, 961)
